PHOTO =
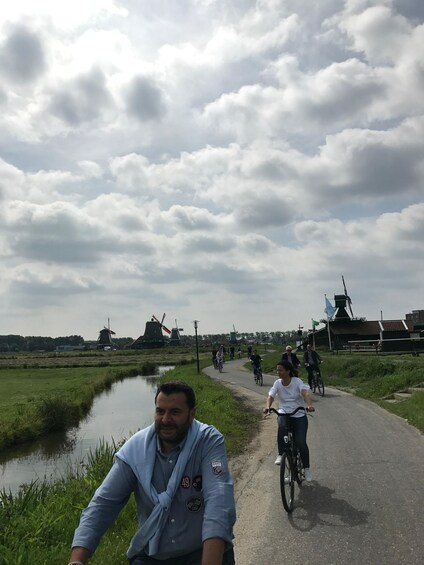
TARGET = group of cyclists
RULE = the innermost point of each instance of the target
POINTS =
(218, 355)
(291, 393)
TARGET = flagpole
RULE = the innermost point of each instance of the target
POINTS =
(313, 332)
(328, 327)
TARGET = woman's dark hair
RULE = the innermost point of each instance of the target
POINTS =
(290, 368)
(178, 386)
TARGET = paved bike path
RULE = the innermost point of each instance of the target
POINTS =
(365, 505)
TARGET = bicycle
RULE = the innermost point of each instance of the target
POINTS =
(220, 364)
(291, 468)
(317, 382)
(257, 375)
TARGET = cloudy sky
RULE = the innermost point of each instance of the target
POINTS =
(220, 160)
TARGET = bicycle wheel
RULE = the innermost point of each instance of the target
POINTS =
(260, 378)
(287, 482)
(320, 385)
(314, 383)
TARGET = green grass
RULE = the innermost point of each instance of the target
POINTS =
(36, 526)
(411, 409)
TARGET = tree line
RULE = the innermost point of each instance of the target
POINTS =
(16, 343)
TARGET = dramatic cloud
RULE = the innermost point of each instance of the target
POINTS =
(144, 100)
(22, 57)
(81, 100)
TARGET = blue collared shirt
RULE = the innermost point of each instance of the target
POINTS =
(202, 508)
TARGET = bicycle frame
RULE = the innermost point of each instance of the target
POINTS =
(317, 382)
(220, 364)
(257, 373)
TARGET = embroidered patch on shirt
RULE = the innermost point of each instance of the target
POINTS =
(197, 482)
(217, 467)
(185, 482)
(194, 504)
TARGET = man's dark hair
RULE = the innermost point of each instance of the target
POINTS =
(178, 386)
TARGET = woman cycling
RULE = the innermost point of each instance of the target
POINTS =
(292, 392)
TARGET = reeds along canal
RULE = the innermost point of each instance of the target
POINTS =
(115, 415)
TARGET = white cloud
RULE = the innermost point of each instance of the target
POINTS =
(377, 32)
(64, 15)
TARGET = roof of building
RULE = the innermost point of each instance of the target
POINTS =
(359, 327)
(365, 327)
(393, 325)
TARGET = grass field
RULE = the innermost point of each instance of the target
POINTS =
(95, 358)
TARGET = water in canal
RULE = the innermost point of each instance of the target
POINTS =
(115, 414)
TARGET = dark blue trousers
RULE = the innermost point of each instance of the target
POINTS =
(299, 428)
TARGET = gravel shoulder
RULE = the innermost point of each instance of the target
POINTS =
(249, 472)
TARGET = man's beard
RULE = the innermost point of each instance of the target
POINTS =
(180, 432)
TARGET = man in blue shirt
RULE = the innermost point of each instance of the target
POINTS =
(177, 469)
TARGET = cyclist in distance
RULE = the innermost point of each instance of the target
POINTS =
(220, 357)
(256, 361)
(291, 392)
(290, 356)
(311, 360)
(214, 352)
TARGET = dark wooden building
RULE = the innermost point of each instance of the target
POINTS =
(358, 334)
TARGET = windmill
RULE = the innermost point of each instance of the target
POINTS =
(175, 338)
(105, 337)
(233, 335)
(153, 336)
(340, 302)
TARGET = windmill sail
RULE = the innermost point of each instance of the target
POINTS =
(349, 301)
(164, 328)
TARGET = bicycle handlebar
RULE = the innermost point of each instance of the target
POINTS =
(285, 413)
